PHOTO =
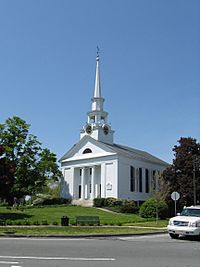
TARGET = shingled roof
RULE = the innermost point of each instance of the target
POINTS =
(136, 154)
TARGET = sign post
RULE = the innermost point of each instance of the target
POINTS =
(175, 196)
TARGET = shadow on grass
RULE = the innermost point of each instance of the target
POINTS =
(13, 216)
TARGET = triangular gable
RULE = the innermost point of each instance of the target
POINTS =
(98, 149)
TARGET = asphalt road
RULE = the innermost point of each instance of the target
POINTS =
(140, 251)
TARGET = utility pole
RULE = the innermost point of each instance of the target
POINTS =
(194, 184)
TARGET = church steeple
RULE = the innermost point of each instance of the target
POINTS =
(97, 88)
(97, 125)
(97, 100)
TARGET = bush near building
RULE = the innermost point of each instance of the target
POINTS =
(153, 208)
(120, 205)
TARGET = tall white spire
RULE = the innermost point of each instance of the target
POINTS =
(97, 100)
(97, 88)
(97, 125)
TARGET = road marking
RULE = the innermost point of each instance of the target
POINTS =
(45, 239)
(9, 262)
(57, 258)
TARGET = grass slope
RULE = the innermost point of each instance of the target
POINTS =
(53, 214)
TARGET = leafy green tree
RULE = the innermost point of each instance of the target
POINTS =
(7, 169)
(159, 190)
(35, 166)
(180, 175)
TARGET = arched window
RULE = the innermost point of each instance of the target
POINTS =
(87, 150)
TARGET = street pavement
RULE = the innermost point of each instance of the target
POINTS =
(133, 251)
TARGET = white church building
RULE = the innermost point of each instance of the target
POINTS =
(96, 167)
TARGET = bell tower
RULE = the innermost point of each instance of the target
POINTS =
(97, 126)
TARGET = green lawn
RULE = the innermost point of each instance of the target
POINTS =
(52, 215)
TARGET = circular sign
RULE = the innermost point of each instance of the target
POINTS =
(175, 195)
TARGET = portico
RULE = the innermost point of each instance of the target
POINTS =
(88, 182)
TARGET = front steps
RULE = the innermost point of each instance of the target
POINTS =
(83, 202)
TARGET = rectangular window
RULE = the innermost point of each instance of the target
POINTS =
(146, 180)
(80, 172)
(132, 179)
(90, 171)
(90, 188)
(140, 179)
(79, 191)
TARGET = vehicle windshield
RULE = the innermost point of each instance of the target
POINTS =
(191, 212)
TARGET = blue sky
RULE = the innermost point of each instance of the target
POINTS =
(150, 69)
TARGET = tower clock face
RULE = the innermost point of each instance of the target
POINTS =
(105, 129)
(88, 129)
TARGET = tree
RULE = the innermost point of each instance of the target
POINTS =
(35, 166)
(7, 169)
(180, 175)
(159, 190)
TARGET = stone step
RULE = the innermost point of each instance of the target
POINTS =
(84, 203)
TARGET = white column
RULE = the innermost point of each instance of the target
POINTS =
(93, 182)
(96, 190)
(83, 184)
(86, 191)
(73, 182)
(103, 180)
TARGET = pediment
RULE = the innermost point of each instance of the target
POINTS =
(86, 148)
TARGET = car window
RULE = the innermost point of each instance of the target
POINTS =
(191, 212)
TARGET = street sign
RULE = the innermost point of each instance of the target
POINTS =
(175, 196)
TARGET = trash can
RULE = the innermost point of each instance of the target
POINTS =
(64, 221)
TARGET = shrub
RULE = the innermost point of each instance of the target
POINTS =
(36, 223)
(46, 200)
(26, 222)
(56, 201)
(38, 201)
(9, 222)
(107, 202)
(99, 202)
(113, 202)
(110, 202)
(45, 222)
(148, 209)
(2, 222)
(118, 202)
(18, 223)
(3, 204)
(128, 206)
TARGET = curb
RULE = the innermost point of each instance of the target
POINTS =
(80, 236)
